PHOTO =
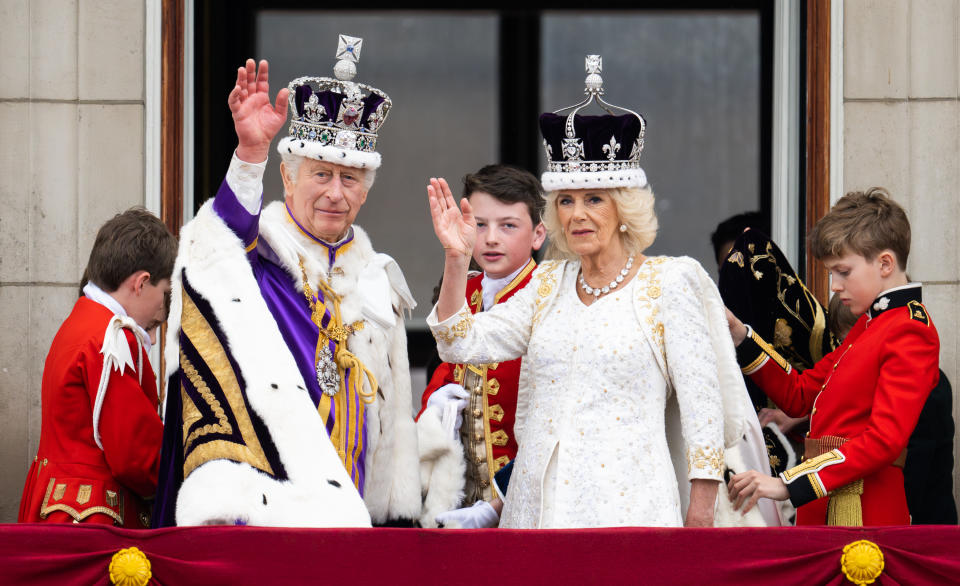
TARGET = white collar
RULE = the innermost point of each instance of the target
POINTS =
(491, 286)
(910, 285)
(95, 293)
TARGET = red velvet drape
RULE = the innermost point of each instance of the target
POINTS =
(80, 554)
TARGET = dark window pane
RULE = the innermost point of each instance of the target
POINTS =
(695, 76)
(440, 70)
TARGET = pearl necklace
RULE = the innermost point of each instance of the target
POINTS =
(597, 292)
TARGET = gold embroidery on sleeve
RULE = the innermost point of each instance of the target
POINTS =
(457, 330)
(709, 459)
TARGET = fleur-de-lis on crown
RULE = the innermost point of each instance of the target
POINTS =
(313, 111)
(612, 148)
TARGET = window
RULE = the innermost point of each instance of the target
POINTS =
(467, 87)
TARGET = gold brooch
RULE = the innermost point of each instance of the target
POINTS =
(339, 333)
(130, 567)
(862, 562)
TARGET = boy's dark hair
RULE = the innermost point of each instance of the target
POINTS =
(731, 228)
(508, 184)
(135, 240)
(865, 223)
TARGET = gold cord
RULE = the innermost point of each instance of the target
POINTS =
(338, 332)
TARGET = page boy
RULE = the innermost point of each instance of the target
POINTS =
(863, 398)
(100, 433)
(475, 405)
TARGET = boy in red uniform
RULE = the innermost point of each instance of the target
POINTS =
(863, 398)
(100, 434)
(476, 404)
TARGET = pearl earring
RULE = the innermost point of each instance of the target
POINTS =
(623, 227)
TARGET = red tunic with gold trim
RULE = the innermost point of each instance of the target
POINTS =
(71, 478)
(863, 399)
(487, 430)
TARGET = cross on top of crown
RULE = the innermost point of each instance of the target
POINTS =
(348, 48)
(594, 64)
(594, 83)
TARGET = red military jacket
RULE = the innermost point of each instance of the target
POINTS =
(71, 478)
(500, 385)
(863, 399)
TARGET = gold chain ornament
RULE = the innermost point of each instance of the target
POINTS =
(331, 367)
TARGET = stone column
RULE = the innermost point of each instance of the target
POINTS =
(71, 156)
(902, 132)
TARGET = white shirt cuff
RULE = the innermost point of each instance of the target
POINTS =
(246, 181)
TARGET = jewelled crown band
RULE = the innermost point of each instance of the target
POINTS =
(337, 119)
(586, 152)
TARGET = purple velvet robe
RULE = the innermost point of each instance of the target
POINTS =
(292, 313)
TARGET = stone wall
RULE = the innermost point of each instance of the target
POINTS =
(902, 131)
(71, 156)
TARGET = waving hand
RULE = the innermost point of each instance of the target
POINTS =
(456, 228)
(255, 119)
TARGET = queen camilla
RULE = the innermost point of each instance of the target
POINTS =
(627, 367)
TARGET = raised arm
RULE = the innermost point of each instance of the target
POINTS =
(457, 232)
(255, 120)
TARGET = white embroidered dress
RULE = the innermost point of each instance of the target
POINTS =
(590, 424)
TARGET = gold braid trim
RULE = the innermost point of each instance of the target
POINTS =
(756, 364)
(768, 349)
(844, 507)
(78, 516)
(812, 465)
(223, 424)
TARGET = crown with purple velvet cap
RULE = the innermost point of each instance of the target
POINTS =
(337, 120)
(585, 152)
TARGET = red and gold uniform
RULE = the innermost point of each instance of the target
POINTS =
(863, 399)
(71, 478)
(487, 430)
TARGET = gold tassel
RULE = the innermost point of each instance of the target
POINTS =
(844, 508)
(336, 331)
(346, 359)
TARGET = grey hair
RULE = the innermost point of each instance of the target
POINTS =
(634, 208)
(291, 166)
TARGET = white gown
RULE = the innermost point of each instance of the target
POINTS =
(590, 424)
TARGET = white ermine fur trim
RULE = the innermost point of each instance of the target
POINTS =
(329, 153)
(725, 515)
(224, 491)
(442, 468)
(282, 504)
(555, 181)
(392, 481)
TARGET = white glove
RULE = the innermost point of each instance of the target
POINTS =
(449, 400)
(480, 516)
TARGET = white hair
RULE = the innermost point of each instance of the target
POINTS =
(291, 167)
